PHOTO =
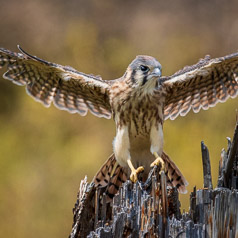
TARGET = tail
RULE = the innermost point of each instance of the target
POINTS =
(174, 175)
(113, 175)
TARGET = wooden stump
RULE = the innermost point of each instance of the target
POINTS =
(152, 209)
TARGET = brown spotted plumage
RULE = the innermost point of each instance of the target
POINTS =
(139, 102)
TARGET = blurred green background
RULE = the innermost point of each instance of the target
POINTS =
(44, 153)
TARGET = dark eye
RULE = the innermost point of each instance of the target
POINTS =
(144, 68)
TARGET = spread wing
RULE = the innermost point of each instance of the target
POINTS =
(47, 82)
(202, 85)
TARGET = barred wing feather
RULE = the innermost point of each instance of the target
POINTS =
(201, 86)
(47, 82)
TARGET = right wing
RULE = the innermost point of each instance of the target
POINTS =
(47, 82)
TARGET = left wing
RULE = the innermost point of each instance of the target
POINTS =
(47, 82)
(202, 85)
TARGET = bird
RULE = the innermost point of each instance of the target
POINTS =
(139, 102)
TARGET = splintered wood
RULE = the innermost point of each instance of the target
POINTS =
(152, 209)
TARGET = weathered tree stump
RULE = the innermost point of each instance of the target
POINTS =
(152, 209)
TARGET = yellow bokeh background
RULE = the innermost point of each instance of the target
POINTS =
(45, 152)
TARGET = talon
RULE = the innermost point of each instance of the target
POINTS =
(135, 172)
(158, 161)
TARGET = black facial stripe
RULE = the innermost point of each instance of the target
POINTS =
(157, 84)
(144, 80)
(133, 76)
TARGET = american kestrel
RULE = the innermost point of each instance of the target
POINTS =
(139, 102)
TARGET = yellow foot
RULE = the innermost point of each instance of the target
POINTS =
(158, 161)
(135, 172)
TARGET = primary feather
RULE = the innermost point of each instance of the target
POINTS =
(201, 86)
(47, 82)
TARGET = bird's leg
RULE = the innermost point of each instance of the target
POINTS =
(121, 146)
(158, 160)
(134, 172)
(157, 141)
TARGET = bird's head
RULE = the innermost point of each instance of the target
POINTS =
(143, 72)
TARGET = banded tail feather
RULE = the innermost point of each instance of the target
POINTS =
(113, 176)
(174, 175)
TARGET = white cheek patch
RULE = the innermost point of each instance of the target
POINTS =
(138, 77)
(157, 139)
(121, 146)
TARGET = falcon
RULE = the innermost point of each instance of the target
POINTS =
(139, 102)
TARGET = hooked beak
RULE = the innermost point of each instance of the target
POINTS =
(153, 76)
(156, 72)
